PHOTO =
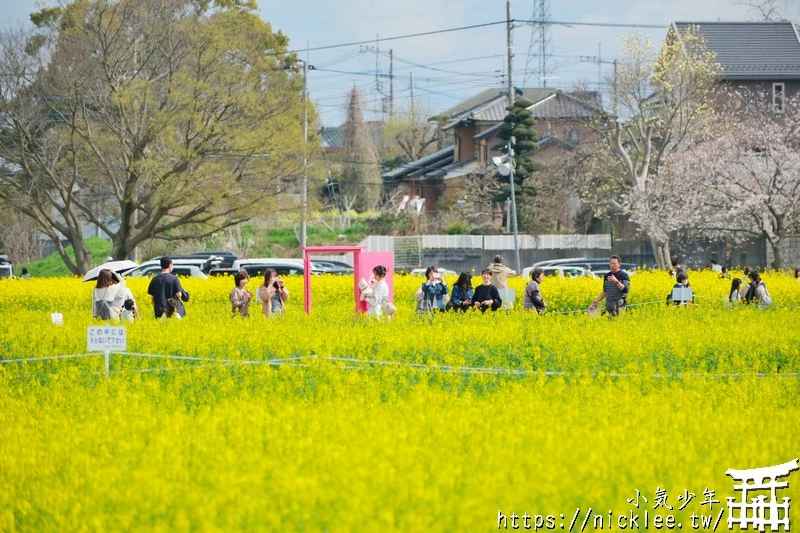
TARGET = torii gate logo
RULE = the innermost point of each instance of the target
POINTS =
(760, 512)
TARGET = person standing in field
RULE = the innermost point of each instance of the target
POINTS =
(486, 296)
(461, 297)
(272, 294)
(165, 286)
(533, 294)
(106, 295)
(616, 286)
(432, 295)
(500, 275)
(380, 293)
(240, 297)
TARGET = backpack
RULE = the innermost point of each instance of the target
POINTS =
(751, 293)
(102, 310)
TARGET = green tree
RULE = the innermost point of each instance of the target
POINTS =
(147, 118)
(517, 129)
(361, 176)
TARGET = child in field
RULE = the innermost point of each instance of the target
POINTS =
(736, 291)
(172, 309)
(240, 297)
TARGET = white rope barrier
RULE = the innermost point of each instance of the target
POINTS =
(355, 363)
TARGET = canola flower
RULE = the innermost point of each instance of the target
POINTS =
(663, 397)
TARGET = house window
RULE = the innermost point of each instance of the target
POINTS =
(777, 97)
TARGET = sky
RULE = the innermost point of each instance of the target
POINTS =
(450, 67)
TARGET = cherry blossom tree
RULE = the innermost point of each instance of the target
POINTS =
(745, 181)
(663, 100)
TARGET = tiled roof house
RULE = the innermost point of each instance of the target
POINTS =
(473, 126)
(759, 56)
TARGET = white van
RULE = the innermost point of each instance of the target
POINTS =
(561, 271)
(5, 267)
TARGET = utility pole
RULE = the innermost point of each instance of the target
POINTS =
(615, 89)
(599, 67)
(391, 83)
(509, 27)
(304, 220)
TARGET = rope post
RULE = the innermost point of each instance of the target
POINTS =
(107, 359)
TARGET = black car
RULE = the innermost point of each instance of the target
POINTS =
(210, 259)
(257, 270)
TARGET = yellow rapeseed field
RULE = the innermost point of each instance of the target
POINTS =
(449, 422)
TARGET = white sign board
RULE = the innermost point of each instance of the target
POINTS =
(106, 338)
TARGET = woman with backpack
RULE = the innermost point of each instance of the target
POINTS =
(756, 290)
(107, 296)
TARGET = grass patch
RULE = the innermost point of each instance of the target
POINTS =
(53, 265)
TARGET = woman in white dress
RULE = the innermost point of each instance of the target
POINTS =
(380, 292)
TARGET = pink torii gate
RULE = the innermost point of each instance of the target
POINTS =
(363, 263)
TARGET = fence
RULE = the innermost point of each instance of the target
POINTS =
(378, 243)
(463, 252)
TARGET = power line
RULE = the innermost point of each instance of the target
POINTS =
(396, 37)
(484, 25)
(598, 24)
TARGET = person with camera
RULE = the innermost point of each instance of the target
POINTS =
(433, 294)
(240, 297)
(272, 294)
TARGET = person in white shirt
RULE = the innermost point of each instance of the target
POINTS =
(107, 296)
(380, 292)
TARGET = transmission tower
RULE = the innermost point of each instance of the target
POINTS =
(539, 48)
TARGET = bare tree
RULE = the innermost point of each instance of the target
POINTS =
(146, 118)
(664, 99)
(19, 238)
(772, 10)
(409, 135)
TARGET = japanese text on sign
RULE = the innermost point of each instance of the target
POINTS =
(106, 338)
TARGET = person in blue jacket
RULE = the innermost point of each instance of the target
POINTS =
(461, 297)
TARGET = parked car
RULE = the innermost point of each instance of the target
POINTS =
(205, 263)
(563, 271)
(5, 267)
(255, 267)
(180, 267)
(442, 271)
(226, 258)
(595, 264)
(331, 267)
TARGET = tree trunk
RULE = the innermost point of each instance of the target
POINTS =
(83, 259)
(661, 252)
(777, 254)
